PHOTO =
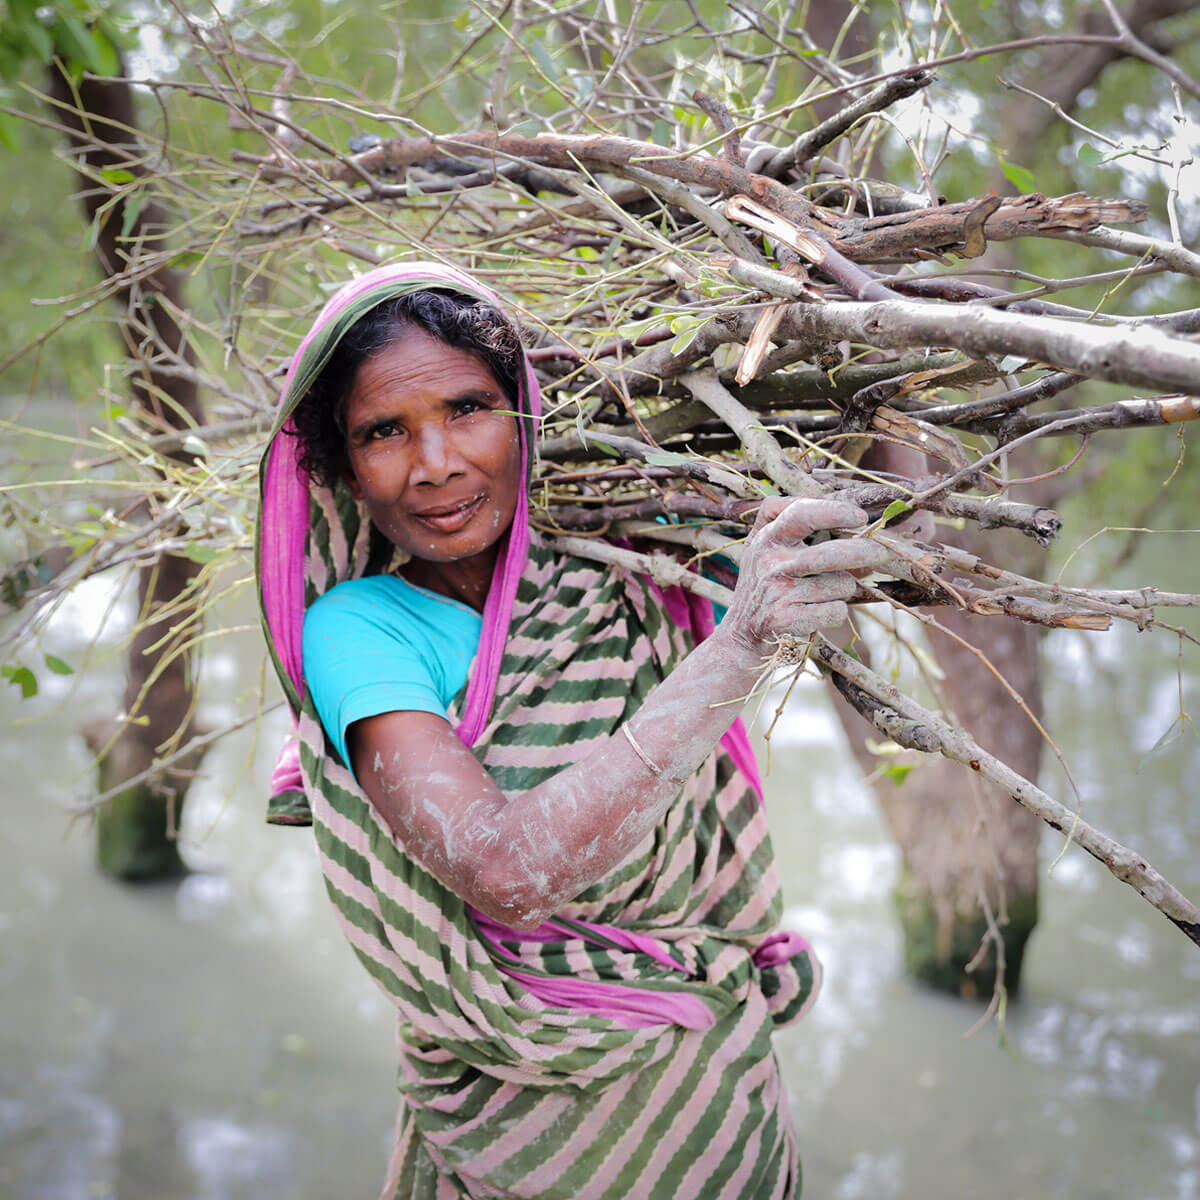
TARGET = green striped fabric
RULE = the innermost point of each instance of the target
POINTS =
(502, 1093)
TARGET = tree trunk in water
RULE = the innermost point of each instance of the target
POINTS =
(137, 827)
(961, 839)
(967, 849)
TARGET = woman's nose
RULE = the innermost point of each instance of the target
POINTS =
(436, 461)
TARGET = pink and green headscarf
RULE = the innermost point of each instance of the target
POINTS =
(285, 492)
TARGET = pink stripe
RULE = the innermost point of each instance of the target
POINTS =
(550, 1170)
(696, 1183)
(629, 1007)
(683, 1058)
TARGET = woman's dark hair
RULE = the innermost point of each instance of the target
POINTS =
(458, 320)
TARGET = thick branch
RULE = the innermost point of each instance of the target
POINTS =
(761, 448)
(1125, 864)
(808, 144)
(899, 236)
(1140, 356)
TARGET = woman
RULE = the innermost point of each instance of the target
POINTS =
(536, 814)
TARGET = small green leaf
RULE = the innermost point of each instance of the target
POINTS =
(92, 234)
(897, 773)
(686, 328)
(660, 135)
(39, 39)
(462, 21)
(57, 665)
(10, 132)
(200, 554)
(23, 678)
(529, 128)
(75, 43)
(895, 509)
(117, 175)
(1020, 177)
(634, 329)
(666, 458)
(132, 206)
(544, 61)
(1174, 732)
(105, 58)
(1089, 155)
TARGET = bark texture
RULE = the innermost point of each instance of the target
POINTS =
(136, 829)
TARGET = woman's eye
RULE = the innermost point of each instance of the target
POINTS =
(384, 429)
(467, 408)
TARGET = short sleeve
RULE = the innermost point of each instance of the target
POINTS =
(379, 645)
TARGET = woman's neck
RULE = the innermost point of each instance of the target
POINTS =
(466, 580)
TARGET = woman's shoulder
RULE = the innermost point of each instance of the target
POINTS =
(390, 606)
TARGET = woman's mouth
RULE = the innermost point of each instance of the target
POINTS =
(451, 517)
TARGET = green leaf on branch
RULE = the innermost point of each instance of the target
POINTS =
(10, 132)
(594, 439)
(23, 678)
(897, 773)
(1020, 177)
(544, 61)
(1178, 727)
(660, 134)
(200, 554)
(895, 509)
(104, 54)
(666, 458)
(1089, 155)
(686, 329)
(37, 37)
(132, 207)
(57, 665)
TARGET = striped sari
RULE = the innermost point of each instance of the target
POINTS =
(623, 1048)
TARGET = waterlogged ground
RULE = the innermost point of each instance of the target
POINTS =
(215, 1039)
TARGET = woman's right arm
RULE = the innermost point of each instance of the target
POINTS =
(517, 860)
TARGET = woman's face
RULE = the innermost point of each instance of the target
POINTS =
(433, 449)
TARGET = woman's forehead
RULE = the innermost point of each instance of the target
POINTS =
(420, 367)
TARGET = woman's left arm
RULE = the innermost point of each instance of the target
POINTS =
(519, 859)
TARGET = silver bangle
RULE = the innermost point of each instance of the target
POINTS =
(650, 765)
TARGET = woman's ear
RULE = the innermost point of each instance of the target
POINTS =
(351, 481)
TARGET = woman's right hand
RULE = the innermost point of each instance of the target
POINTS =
(787, 587)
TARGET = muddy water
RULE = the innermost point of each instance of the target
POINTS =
(216, 1040)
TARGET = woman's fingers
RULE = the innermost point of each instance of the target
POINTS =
(818, 616)
(789, 587)
(802, 517)
(818, 589)
(841, 554)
